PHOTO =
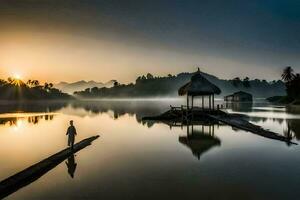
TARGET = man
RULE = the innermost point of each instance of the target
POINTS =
(71, 132)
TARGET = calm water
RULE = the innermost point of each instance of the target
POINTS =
(146, 160)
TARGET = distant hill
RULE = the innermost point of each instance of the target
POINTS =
(70, 88)
(150, 86)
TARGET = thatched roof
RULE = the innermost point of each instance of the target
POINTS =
(198, 86)
(240, 93)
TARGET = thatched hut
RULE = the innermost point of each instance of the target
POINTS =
(239, 97)
(199, 86)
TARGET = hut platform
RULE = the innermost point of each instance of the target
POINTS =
(29, 175)
(184, 114)
(206, 116)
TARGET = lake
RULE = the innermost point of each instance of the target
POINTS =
(134, 159)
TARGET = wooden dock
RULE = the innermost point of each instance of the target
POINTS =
(247, 126)
(31, 174)
(207, 116)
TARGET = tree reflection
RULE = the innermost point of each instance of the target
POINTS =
(139, 109)
(35, 119)
(293, 129)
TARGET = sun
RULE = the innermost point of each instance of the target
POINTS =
(17, 80)
(17, 76)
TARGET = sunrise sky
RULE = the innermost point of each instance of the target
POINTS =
(71, 40)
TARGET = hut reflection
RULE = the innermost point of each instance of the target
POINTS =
(239, 106)
(200, 139)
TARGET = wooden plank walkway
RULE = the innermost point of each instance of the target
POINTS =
(247, 126)
(31, 174)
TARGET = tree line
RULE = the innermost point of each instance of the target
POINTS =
(16, 89)
(155, 86)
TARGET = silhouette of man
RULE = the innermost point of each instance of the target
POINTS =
(71, 165)
(71, 132)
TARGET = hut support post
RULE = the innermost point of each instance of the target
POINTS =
(192, 102)
(213, 101)
(202, 102)
(187, 101)
(209, 98)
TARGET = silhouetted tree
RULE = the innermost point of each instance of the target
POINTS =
(288, 74)
(116, 83)
(2, 82)
(46, 86)
(36, 83)
(236, 81)
(149, 76)
(246, 82)
(292, 83)
(10, 80)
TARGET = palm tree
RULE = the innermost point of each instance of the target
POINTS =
(294, 86)
(288, 74)
(46, 86)
(2, 82)
(35, 83)
(116, 83)
(246, 82)
(236, 81)
(10, 80)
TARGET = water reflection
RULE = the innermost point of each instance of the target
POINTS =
(142, 153)
(18, 119)
(262, 113)
(32, 107)
(200, 139)
(257, 112)
(239, 106)
(71, 165)
(293, 128)
(120, 108)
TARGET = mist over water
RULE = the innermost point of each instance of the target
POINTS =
(147, 159)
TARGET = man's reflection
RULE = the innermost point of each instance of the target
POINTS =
(71, 165)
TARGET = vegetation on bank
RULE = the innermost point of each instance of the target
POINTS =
(292, 84)
(17, 90)
(151, 86)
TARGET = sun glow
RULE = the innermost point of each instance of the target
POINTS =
(17, 79)
(17, 76)
(18, 125)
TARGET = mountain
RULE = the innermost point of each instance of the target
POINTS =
(70, 88)
(150, 86)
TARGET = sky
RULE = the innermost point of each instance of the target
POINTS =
(70, 40)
